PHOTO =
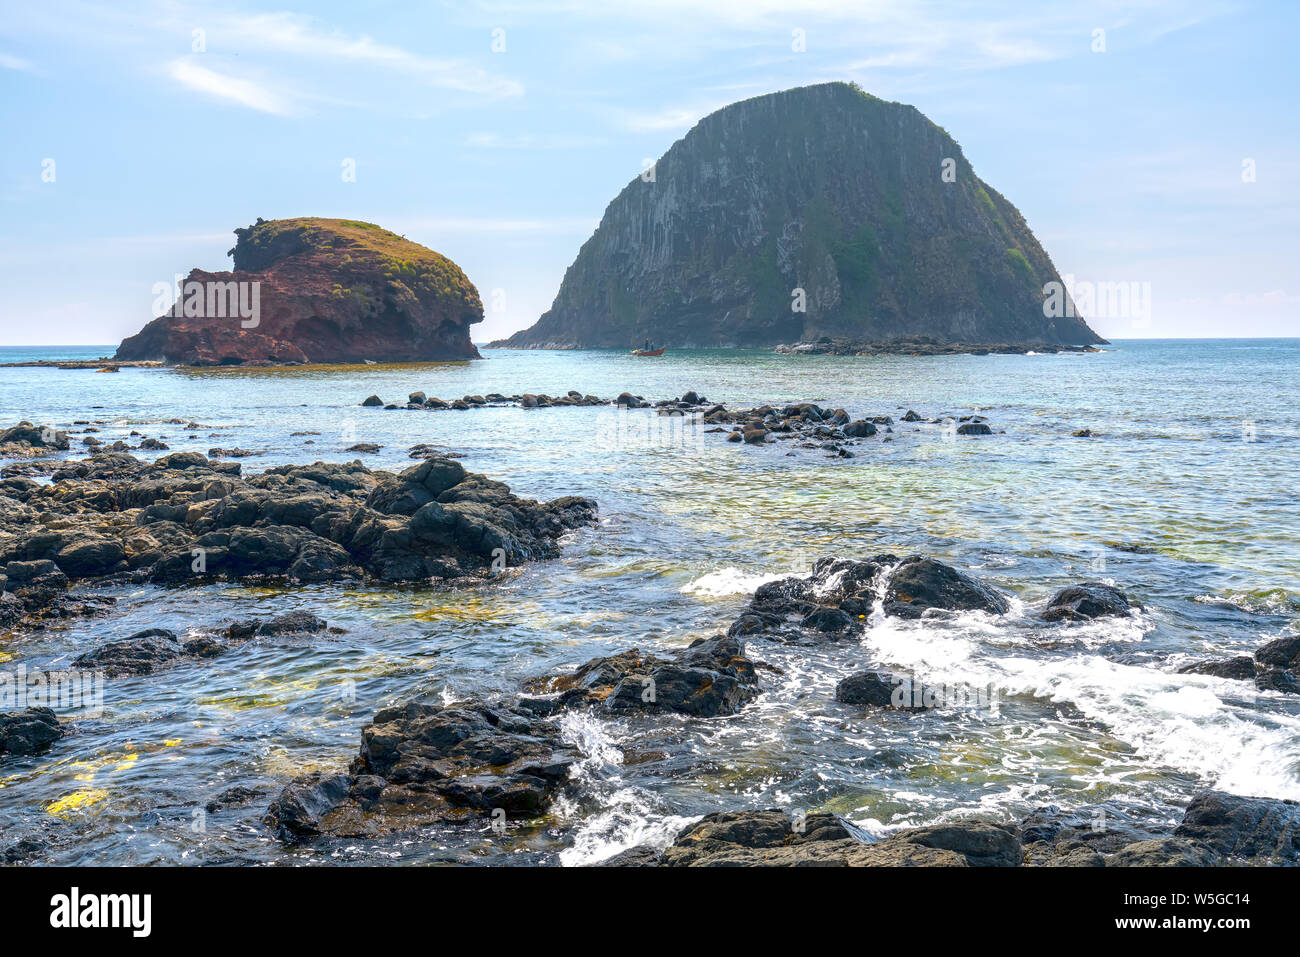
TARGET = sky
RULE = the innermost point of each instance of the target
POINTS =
(1144, 142)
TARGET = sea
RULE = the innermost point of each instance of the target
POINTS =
(1185, 496)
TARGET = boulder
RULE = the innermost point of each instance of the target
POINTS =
(1085, 602)
(920, 584)
(1241, 667)
(29, 732)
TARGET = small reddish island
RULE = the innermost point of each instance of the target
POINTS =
(317, 291)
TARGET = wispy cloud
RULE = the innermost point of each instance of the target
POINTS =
(10, 62)
(244, 92)
(298, 35)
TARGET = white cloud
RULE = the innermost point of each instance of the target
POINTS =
(244, 92)
(10, 62)
(298, 35)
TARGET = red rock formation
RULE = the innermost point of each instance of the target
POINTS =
(317, 290)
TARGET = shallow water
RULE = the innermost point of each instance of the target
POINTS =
(1194, 467)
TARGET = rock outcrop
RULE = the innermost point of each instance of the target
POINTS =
(186, 518)
(326, 290)
(29, 732)
(1216, 829)
(813, 213)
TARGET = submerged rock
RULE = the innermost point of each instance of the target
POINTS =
(1087, 601)
(29, 732)
(146, 651)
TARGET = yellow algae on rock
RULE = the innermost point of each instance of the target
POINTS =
(80, 800)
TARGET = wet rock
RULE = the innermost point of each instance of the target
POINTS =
(371, 401)
(911, 416)
(1164, 852)
(147, 651)
(1280, 653)
(237, 796)
(1277, 679)
(369, 448)
(1242, 667)
(772, 838)
(294, 622)
(1102, 828)
(1065, 854)
(29, 732)
(28, 439)
(711, 677)
(186, 518)
(1085, 602)
(140, 654)
(417, 398)
(880, 689)
(919, 584)
(974, 428)
(421, 764)
(1253, 828)
(860, 429)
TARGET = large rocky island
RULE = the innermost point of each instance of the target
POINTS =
(860, 212)
(327, 290)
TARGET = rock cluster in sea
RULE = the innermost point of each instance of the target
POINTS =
(809, 423)
(187, 518)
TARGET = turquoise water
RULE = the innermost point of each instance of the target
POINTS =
(1185, 498)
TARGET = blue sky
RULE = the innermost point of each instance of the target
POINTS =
(1126, 163)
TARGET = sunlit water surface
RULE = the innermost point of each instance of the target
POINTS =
(1186, 498)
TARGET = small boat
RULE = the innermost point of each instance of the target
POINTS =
(645, 353)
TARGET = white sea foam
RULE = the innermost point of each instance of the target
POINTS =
(1190, 723)
(727, 581)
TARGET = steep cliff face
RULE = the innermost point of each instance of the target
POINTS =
(823, 189)
(326, 290)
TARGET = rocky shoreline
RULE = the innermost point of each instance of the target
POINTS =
(506, 758)
(922, 346)
(187, 518)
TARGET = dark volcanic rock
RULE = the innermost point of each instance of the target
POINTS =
(187, 518)
(838, 197)
(1244, 827)
(140, 654)
(1277, 679)
(145, 652)
(329, 290)
(1164, 852)
(29, 732)
(1241, 667)
(774, 839)
(1086, 601)
(1280, 653)
(920, 584)
(879, 689)
(709, 678)
(421, 764)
